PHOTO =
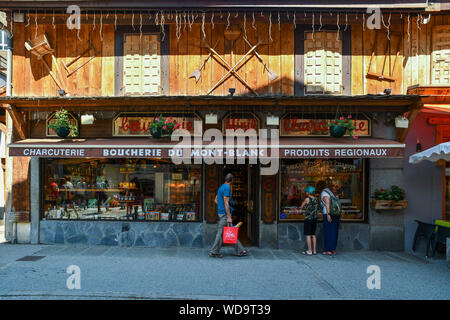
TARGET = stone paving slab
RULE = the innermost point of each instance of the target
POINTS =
(189, 273)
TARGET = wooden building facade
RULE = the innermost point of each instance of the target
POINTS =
(299, 61)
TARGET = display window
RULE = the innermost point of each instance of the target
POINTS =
(121, 189)
(347, 174)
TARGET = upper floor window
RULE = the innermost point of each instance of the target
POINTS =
(141, 64)
(440, 59)
(323, 62)
(142, 61)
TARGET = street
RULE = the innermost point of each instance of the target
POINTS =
(184, 273)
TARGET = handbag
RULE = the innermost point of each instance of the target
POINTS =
(230, 235)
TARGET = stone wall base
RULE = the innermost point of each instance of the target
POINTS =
(352, 236)
(125, 234)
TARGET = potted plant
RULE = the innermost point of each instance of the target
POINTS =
(389, 199)
(340, 126)
(163, 127)
(62, 125)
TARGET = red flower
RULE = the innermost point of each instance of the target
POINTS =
(349, 116)
(165, 127)
(355, 137)
(341, 118)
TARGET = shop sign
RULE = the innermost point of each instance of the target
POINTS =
(298, 126)
(243, 121)
(131, 125)
(209, 153)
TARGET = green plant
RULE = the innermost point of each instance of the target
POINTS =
(395, 193)
(345, 123)
(166, 125)
(61, 119)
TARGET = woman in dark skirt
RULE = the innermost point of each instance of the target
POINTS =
(311, 206)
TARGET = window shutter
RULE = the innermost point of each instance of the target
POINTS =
(141, 67)
(323, 63)
(441, 55)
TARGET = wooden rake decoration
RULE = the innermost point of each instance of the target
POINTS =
(197, 72)
(272, 75)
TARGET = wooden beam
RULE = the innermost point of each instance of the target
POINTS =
(18, 120)
(438, 121)
(402, 133)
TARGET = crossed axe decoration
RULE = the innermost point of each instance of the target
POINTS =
(231, 70)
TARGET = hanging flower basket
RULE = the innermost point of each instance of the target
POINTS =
(337, 131)
(163, 127)
(62, 125)
(339, 127)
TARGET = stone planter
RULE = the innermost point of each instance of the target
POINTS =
(388, 204)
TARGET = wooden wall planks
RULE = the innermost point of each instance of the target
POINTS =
(98, 76)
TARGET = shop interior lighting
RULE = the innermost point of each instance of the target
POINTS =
(87, 119)
(272, 120)
(211, 118)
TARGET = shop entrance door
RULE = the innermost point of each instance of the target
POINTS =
(245, 194)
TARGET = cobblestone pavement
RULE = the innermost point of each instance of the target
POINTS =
(174, 273)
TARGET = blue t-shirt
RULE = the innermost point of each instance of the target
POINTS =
(224, 191)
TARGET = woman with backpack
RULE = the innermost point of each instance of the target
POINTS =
(331, 217)
(311, 206)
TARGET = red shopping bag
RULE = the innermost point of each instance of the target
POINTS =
(230, 235)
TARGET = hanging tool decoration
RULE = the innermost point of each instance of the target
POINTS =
(389, 44)
(40, 47)
(90, 50)
(197, 73)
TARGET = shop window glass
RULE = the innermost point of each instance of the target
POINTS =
(296, 175)
(121, 189)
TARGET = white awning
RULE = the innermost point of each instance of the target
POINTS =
(436, 153)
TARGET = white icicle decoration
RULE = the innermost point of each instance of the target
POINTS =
(388, 26)
(295, 22)
(339, 28)
(162, 26)
(203, 25)
(28, 20)
(320, 21)
(212, 20)
(279, 21)
(140, 25)
(270, 26)
(101, 26)
(245, 25)
(253, 20)
(228, 21)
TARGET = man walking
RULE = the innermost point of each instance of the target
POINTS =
(224, 210)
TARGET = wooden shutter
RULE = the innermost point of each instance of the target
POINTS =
(323, 62)
(142, 65)
(440, 58)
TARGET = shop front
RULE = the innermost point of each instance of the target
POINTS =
(116, 185)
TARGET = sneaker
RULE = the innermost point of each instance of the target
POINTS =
(216, 255)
